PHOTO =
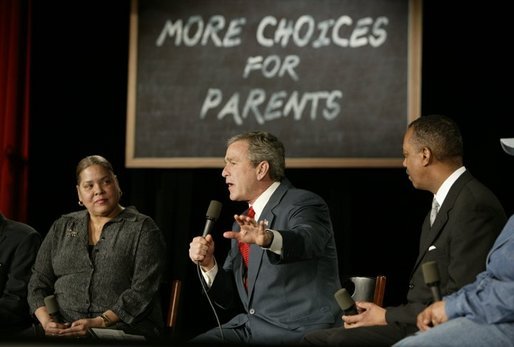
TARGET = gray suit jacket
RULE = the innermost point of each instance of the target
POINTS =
(294, 292)
(466, 227)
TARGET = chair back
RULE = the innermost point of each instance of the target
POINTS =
(380, 285)
(171, 318)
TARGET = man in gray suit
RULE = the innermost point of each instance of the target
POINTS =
(292, 274)
(469, 219)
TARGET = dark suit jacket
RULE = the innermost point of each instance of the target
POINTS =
(294, 292)
(463, 232)
(19, 244)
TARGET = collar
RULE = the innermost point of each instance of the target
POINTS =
(443, 190)
(262, 200)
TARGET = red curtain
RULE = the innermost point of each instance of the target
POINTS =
(14, 106)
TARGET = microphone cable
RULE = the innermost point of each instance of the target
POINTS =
(204, 289)
(213, 213)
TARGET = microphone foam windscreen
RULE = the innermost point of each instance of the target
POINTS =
(214, 210)
(430, 272)
(343, 298)
(51, 304)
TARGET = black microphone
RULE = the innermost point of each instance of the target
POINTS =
(345, 301)
(213, 212)
(53, 309)
(432, 279)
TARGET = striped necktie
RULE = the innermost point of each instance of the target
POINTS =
(433, 212)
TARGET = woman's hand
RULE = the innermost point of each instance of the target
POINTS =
(79, 328)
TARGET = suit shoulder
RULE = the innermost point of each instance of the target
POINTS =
(21, 230)
(480, 192)
(302, 195)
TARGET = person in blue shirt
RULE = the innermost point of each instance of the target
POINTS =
(480, 313)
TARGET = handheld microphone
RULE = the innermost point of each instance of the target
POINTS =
(345, 301)
(213, 213)
(432, 279)
(53, 309)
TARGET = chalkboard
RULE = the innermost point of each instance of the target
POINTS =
(336, 80)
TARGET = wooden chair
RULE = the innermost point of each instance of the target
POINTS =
(380, 284)
(171, 318)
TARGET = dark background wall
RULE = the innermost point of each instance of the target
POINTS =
(78, 103)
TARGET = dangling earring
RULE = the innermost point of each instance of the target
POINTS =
(80, 203)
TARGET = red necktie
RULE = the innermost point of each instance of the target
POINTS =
(244, 248)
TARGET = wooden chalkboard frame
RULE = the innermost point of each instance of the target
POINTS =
(413, 111)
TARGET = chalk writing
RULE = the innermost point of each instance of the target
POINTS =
(271, 31)
(277, 105)
(221, 32)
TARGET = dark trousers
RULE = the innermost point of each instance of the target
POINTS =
(379, 335)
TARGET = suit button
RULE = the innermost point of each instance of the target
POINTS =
(411, 285)
(252, 311)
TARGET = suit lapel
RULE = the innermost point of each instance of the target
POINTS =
(256, 252)
(430, 234)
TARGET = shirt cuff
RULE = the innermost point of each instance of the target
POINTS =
(209, 276)
(276, 244)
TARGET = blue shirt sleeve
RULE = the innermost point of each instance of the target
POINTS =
(490, 298)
